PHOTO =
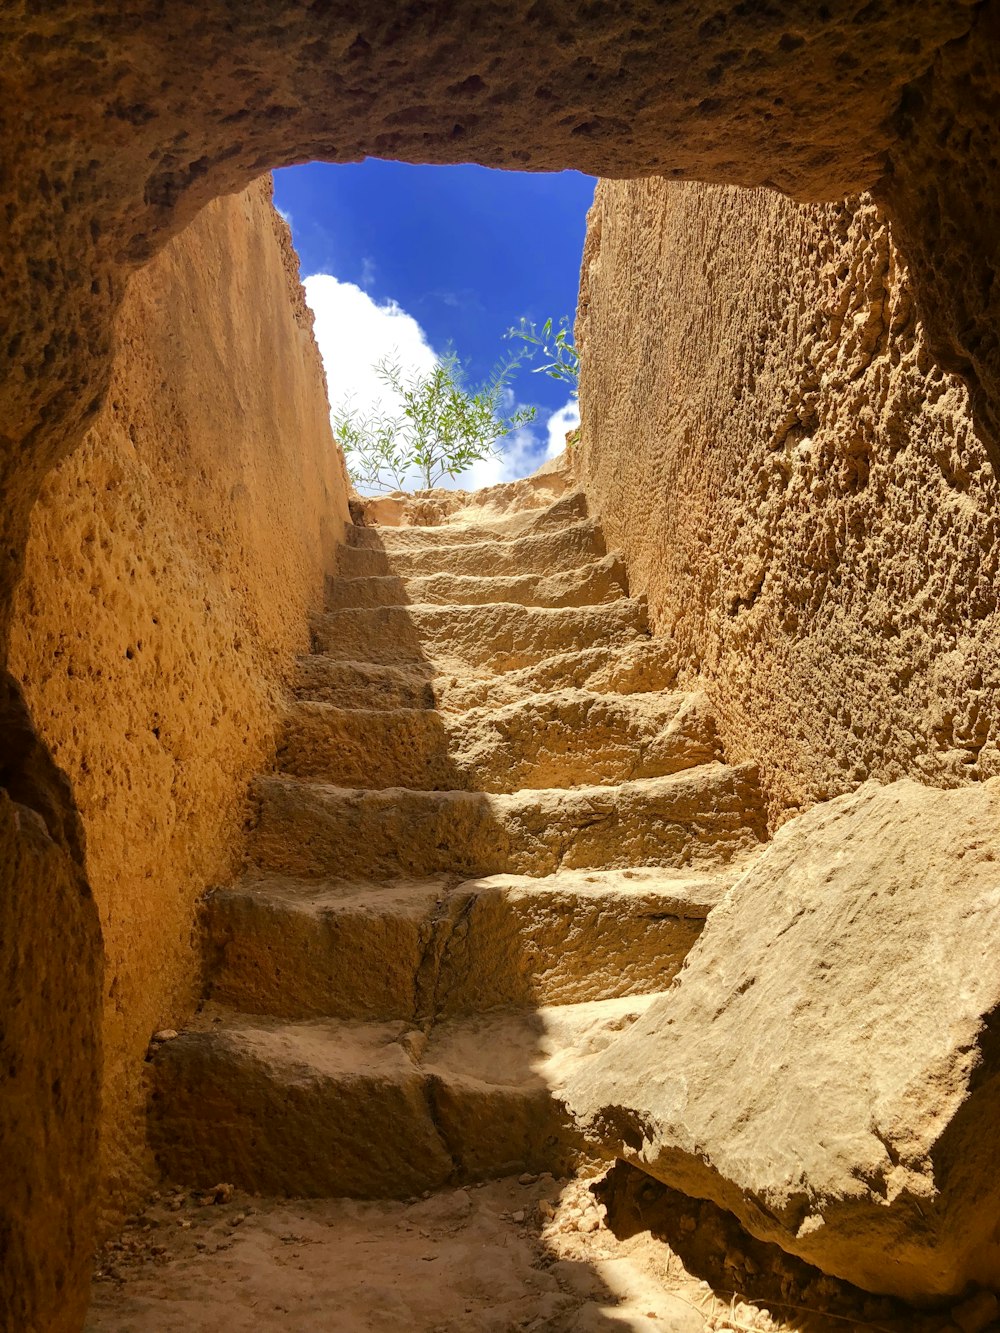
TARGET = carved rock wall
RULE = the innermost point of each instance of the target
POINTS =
(171, 566)
(103, 161)
(795, 483)
(50, 1038)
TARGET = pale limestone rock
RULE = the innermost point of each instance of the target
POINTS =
(423, 948)
(826, 1065)
(710, 815)
(544, 740)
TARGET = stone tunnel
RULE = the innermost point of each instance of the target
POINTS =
(860, 348)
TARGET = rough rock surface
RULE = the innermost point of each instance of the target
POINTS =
(817, 100)
(103, 165)
(708, 815)
(172, 564)
(497, 637)
(562, 739)
(393, 1027)
(50, 1040)
(806, 503)
(826, 1065)
(424, 947)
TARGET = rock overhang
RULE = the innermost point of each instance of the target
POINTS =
(826, 1064)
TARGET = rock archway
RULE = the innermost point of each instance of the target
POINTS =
(122, 120)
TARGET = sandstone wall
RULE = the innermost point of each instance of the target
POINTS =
(794, 482)
(172, 563)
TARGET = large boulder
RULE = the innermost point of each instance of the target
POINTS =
(826, 1064)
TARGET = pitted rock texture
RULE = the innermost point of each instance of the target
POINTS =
(423, 948)
(826, 1065)
(639, 667)
(708, 815)
(552, 554)
(797, 488)
(598, 581)
(459, 887)
(50, 1041)
(104, 164)
(545, 740)
(171, 567)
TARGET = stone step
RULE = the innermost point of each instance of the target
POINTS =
(703, 816)
(364, 684)
(436, 507)
(639, 667)
(603, 580)
(380, 1110)
(424, 949)
(499, 637)
(544, 740)
(569, 510)
(540, 553)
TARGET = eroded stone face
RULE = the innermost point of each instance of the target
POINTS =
(826, 1064)
(50, 1038)
(123, 121)
(806, 503)
(170, 566)
(108, 159)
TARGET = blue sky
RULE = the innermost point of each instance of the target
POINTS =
(419, 257)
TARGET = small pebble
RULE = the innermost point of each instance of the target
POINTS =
(526, 1178)
(518, 1216)
(165, 1034)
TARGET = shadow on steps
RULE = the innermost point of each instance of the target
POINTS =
(712, 1245)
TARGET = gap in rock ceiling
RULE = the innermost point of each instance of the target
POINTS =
(415, 260)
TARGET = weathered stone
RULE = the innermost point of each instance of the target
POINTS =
(423, 949)
(538, 553)
(807, 504)
(103, 164)
(375, 1110)
(50, 1037)
(706, 815)
(639, 667)
(472, 527)
(497, 637)
(826, 1065)
(600, 581)
(170, 569)
(545, 740)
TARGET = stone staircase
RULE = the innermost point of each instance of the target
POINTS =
(494, 835)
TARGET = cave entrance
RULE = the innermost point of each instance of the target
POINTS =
(412, 264)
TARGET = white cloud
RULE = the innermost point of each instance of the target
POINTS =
(566, 419)
(368, 271)
(354, 332)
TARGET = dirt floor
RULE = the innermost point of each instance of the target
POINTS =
(534, 1253)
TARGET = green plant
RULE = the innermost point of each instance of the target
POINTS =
(556, 343)
(441, 430)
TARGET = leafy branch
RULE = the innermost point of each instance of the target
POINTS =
(556, 344)
(441, 430)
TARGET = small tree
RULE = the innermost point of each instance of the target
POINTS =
(442, 429)
(557, 345)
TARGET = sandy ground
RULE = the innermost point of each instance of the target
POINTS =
(534, 1253)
